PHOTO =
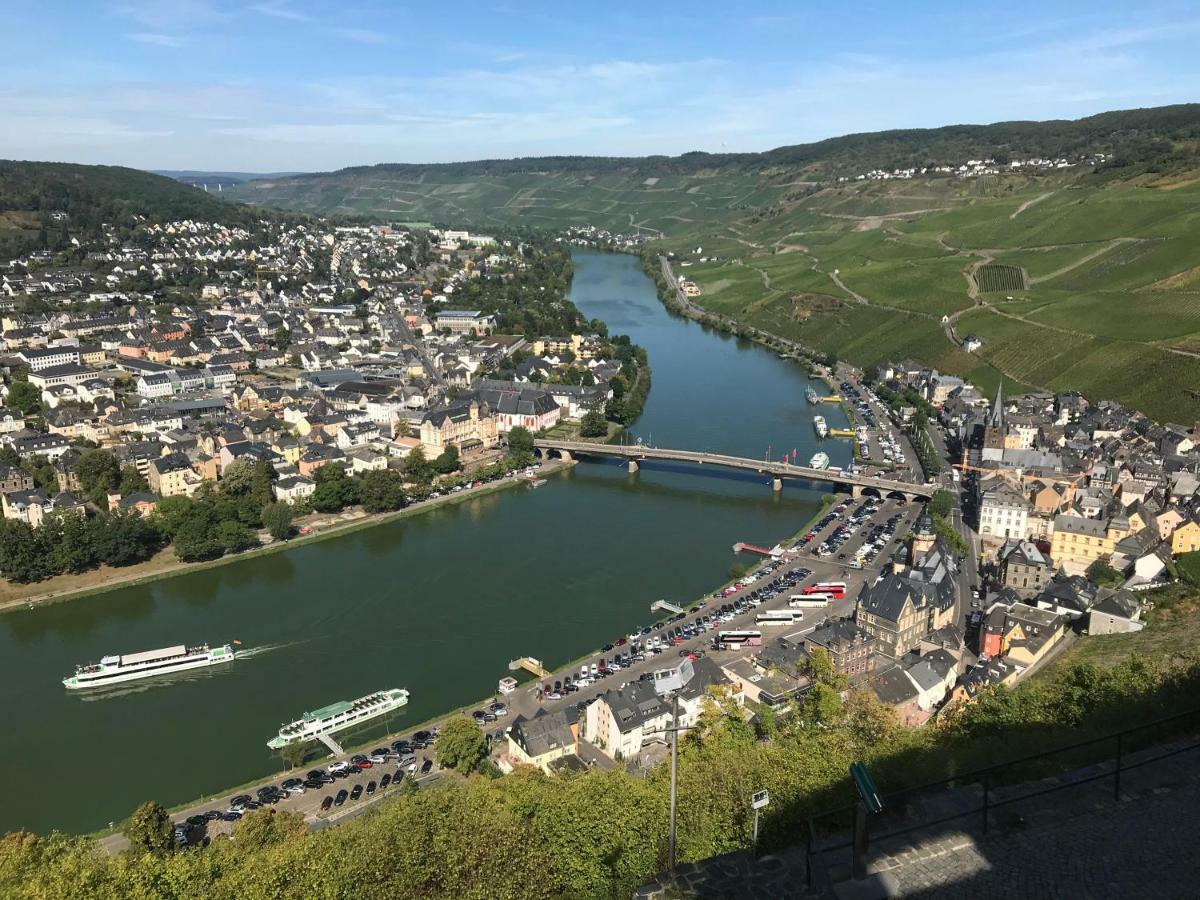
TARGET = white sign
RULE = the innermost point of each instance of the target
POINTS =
(760, 800)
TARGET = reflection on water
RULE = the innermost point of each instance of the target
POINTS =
(144, 685)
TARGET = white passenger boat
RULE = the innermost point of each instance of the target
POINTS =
(148, 664)
(337, 716)
(819, 426)
(819, 461)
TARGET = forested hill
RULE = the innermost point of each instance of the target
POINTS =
(1133, 136)
(31, 191)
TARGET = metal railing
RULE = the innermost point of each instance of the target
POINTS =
(1123, 742)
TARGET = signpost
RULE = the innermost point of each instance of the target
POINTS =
(760, 800)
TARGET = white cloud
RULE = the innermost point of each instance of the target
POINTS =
(277, 9)
(361, 35)
(155, 39)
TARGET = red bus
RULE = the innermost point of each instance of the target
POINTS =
(836, 589)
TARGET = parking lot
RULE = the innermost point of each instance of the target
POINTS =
(881, 442)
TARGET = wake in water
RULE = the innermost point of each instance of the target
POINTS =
(251, 652)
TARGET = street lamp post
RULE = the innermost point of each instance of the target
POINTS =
(674, 779)
(668, 683)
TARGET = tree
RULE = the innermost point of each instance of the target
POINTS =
(416, 467)
(123, 537)
(235, 537)
(447, 461)
(335, 490)
(74, 547)
(277, 519)
(520, 447)
(460, 745)
(194, 541)
(237, 479)
(24, 396)
(132, 482)
(283, 338)
(1103, 574)
(150, 830)
(22, 556)
(941, 503)
(269, 827)
(262, 482)
(593, 424)
(99, 473)
(822, 706)
(381, 490)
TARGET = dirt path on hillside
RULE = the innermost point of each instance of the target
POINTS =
(1028, 203)
(1112, 245)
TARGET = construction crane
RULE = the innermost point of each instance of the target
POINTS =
(1073, 481)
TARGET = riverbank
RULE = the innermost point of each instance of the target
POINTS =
(110, 837)
(164, 564)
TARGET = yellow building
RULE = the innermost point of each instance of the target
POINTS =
(1185, 538)
(469, 426)
(541, 740)
(1078, 542)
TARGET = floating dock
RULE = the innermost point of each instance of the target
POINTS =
(529, 664)
(754, 548)
(664, 604)
(843, 432)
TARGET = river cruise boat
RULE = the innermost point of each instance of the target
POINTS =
(819, 426)
(819, 461)
(337, 716)
(811, 396)
(148, 664)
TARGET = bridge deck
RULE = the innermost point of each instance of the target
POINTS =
(766, 467)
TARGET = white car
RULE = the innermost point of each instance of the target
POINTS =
(340, 767)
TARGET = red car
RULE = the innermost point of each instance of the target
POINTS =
(622, 642)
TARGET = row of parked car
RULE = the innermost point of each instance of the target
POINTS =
(847, 529)
(191, 831)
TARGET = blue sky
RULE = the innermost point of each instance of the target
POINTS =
(275, 85)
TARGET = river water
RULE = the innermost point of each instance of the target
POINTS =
(437, 604)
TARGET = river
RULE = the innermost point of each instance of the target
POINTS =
(437, 603)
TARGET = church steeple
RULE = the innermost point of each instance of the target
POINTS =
(997, 418)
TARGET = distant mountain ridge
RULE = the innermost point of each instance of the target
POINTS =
(1137, 135)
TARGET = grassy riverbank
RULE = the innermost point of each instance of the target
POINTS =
(164, 564)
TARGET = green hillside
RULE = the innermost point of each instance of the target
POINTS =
(31, 191)
(1095, 278)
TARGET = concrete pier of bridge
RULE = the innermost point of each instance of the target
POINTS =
(633, 466)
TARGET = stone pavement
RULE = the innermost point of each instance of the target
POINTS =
(1076, 842)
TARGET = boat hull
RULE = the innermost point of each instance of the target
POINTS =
(279, 741)
(78, 683)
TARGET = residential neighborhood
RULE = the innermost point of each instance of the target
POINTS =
(185, 348)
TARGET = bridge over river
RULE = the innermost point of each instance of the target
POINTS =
(636, 453)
